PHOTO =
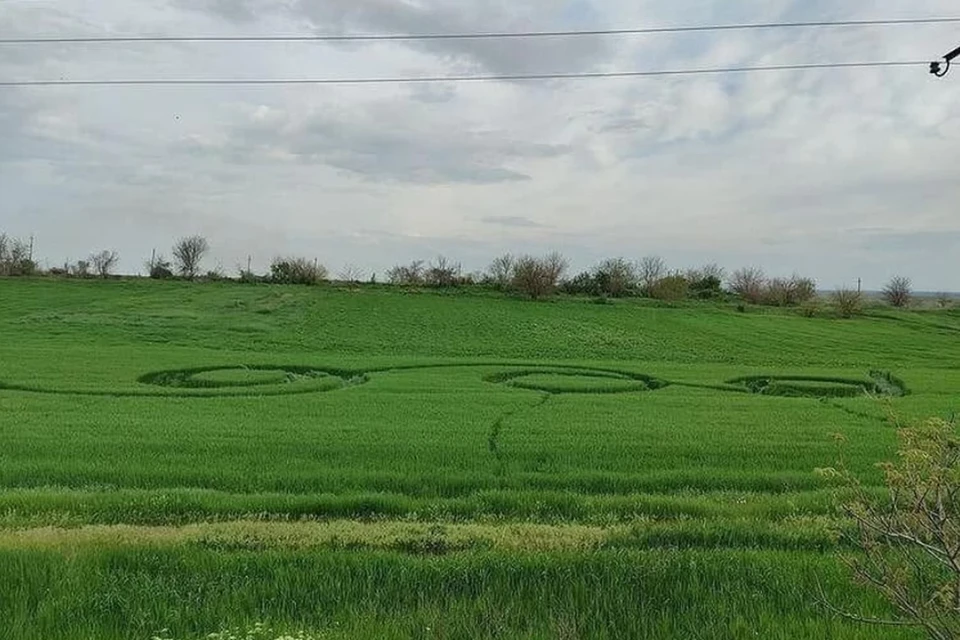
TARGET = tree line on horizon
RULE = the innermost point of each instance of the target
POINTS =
(534, 277)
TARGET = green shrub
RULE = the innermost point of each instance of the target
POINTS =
(159, 268)
(297, 271)
(583, 284)
(615, 277)
(848, 303)
(672, 288)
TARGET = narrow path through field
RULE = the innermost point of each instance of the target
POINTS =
(493, 439)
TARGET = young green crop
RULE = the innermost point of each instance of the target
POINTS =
(496, 430)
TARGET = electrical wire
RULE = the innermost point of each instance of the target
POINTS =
(475, 78)
(482, 35)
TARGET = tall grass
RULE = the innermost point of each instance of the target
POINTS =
(113, 594)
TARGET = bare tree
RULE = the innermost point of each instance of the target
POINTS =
(104, 262)
(713, 270)
(538, 277)
(556, 265)
(442, 273)
(944, 300)
(748, 283)
(776, 292)
(910, 540)
(350, 273)
(188, 253)
(802, 289)
(407, 275)
(649, 271)
(81, 269)
(15, 257)
(615, 277)
(501, 271)
(897, 292)
(848, 302)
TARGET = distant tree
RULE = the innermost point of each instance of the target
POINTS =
(944, 300)
(615, 277)
(297, 271)
(909, 540)
(442, 273)
(777, 292)
(556, 265)
(897, 292)
(104, 262)
(249, 277)
(748, 284)
(582, 284)
(15, 258)
(538, 277)
(188, 254)
(848, 302)
(707, 271)
(706, 282)
(671, 288)
(81, 269)
(407, 275)
(784, 292)
(63, 271)
(500, 271)
(159, 268)
(649, 271)
(350, 273)
(803, 289)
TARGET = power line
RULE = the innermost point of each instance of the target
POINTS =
(476, 78)
(484, 35)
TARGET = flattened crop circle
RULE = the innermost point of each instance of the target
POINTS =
(247, 379)
(561, 380)
(812, 386)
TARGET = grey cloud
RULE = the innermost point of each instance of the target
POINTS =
(513, 221)
(241, 11)
(433, 16)
(933, 242)
(374, 145)
(437, 17)
(433, 93)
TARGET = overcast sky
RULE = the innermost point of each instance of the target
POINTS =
(834, 174)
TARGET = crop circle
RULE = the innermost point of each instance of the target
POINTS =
(810, 386)
(558, 380)
(247, 379)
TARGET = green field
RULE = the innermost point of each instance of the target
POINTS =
(178, 459)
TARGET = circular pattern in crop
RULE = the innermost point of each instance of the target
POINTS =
(249, 379)
(879, 384)
(561, 380)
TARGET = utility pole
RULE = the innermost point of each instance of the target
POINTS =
(249, 261)
(859, 285)
(941, 68)
(30, 257)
